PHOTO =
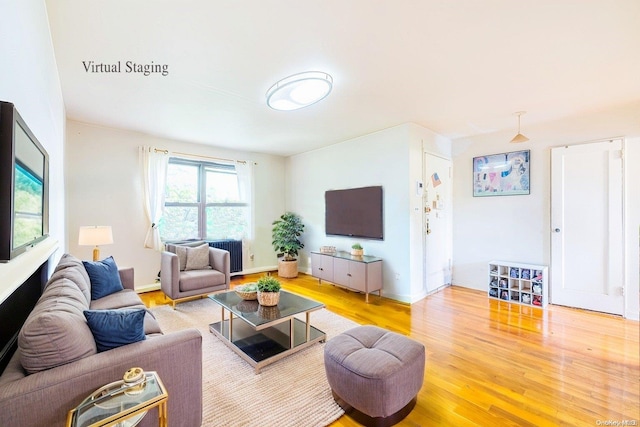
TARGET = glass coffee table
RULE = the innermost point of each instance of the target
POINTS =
(263, 335)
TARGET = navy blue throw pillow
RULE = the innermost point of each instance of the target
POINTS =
(115, 328)
(104, 277)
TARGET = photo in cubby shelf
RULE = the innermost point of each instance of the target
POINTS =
(537, 300)
(493, 292)
(504, 295)
(526, 298)
(494, 282)
(537, 288)
(537, 275)
(503, 283)
(514, 272)
(525, 274)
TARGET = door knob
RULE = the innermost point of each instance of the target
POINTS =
(556, 230)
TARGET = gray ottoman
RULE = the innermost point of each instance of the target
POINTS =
(374, 374)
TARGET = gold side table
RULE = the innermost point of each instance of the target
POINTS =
(118, 404)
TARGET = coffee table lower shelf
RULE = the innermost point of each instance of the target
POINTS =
(263, 347)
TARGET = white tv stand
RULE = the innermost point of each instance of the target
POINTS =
(358, 273)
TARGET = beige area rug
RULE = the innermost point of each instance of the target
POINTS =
(291, 392)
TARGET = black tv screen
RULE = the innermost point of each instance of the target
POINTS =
(24, 172)
(355, 212)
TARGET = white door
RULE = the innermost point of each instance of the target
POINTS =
(587, 226)
(437, 227)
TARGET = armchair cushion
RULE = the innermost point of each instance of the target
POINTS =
(200, 279)
(115, 328)
(104, 277)
(197, 258)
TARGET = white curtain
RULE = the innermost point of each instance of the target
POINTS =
(245, 188)
(154, 178)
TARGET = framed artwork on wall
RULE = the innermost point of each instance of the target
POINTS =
(505, 174)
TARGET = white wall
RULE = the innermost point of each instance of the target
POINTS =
(517, 228)
(391, 158)
(104, 187)
(632, 225)
(29, 79)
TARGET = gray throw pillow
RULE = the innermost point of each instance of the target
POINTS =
(181, 251)
(198, 257)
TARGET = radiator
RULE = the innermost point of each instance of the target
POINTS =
(235, 251)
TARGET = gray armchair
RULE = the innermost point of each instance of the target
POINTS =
(186, 272)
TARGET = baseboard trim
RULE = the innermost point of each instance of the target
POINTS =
(148, 288)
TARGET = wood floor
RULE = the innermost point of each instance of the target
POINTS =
(492, 363)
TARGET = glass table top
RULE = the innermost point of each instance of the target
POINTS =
(256, 315)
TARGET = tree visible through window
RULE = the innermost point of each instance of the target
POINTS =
(202, 201)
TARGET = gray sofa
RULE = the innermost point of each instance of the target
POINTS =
(57, 364)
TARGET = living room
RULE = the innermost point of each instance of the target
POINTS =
(89, 162)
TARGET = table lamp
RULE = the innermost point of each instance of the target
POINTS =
(95, 235)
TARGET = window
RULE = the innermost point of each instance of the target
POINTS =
(202, 201)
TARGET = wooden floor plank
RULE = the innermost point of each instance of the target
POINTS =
(493, 363)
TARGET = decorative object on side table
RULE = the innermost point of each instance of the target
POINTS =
(247, 292)
(124, 402)
(356, 249)
(286, 241)
(268, 291)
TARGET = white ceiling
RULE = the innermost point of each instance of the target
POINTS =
(459, 68)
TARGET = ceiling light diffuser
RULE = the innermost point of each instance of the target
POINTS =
(299, 90)
(519, 137)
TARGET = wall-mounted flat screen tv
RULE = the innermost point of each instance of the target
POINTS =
(24, 185)
(355, 212)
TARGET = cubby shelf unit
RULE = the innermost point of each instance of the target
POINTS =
(525, 284)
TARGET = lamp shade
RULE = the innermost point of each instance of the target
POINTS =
(94, 235)
(519, 137)
(299, 90)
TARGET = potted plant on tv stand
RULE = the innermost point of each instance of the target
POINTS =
(356, 249)
(268, 291)
(286, 241)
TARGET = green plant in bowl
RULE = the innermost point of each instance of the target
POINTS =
(249, 287)
(268, 284)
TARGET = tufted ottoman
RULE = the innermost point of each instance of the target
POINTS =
(374, 374)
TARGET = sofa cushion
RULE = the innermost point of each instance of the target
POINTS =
(151, 325)
(77, 277)
(115, 328)
(198, 258)
(126, 298)
(199, 279)
(104, 277)
(65, 293)
(56, 332)
(72, 268)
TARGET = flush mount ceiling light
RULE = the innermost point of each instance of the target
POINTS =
(519, 137)
(299, 90)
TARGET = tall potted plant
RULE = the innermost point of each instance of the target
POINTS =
(286, 242)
